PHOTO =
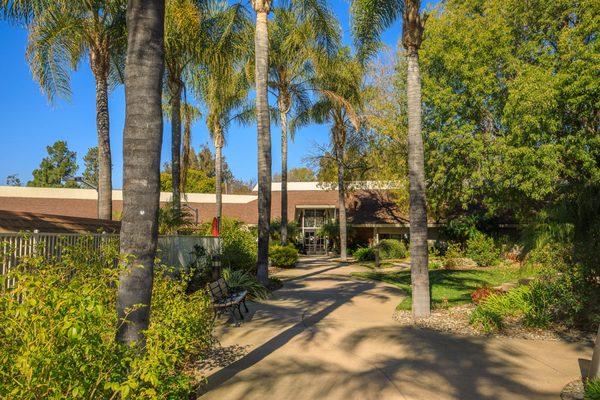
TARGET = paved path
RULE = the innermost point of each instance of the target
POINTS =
(325, 335)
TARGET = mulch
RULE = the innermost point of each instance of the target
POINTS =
(455, 320)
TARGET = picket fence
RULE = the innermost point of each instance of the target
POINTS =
(173, 250)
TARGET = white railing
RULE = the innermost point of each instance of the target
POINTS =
(172, 250)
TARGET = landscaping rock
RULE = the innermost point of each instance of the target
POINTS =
(459, 263)
(505, 287)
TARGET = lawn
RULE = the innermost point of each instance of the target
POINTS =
(448, 287)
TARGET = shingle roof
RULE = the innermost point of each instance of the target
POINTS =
(17, 221)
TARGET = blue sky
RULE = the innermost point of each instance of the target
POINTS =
(30, 122)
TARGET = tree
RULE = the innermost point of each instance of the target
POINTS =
(182, 40)
(299, 174)
(370, 18)
(222, 82)
(197, 182)
(339, 84)
(57, 169)
(61, 34)
(261, 76)
(296, 38)
(90, 160)
(142, 140)
(13, 180)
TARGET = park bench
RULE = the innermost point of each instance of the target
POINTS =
(225, 298)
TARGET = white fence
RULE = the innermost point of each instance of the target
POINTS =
(172, 250)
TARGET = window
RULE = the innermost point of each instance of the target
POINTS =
(314, 218)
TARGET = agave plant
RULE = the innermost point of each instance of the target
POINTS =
(239, 279)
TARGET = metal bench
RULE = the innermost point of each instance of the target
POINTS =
(225, 298)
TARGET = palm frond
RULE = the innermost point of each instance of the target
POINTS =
(369, 19)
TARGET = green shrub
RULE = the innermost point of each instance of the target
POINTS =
(392, 248)
(238, 244)
(592, 390)
(364, 254)
(283, 256)
(239, 279)
(483, 250)
(491, 312)
(58, 328)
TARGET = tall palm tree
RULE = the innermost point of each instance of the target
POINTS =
(61, 35)
(371, 17)
(296, 39)
(261, 76)
(182, 41)
(339, 84)
(190, 114)
(221, 82)
(142, 140)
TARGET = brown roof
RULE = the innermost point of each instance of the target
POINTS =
(374, 207)
(17, 221)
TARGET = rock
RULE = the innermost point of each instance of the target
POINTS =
(505, 287)
(525, 281)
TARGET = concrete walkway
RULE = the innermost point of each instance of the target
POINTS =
(325, 335)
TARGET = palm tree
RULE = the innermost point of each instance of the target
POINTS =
(371, 17)
(142, 140)
(63, 33)
(221, 80)
(261, 76)
(295, 41)
(190, 114)
(182, 41)
(339, 84)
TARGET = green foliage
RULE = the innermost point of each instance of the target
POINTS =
(283, 256)
(239, 279)
(364, 254)
(298, 174)
(510, 93)
(592, 389)
(238, 244)
(57, 168)
(60, 318)
(197, 181)
(200, 269)
(493, 310)
(294, 231)
(460, 229)
(13, 180)
(483, 250)
(90, 160)
(392, 248)
(171, 221)
(448, 287)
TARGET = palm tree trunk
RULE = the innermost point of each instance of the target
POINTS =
(175, 88)
(218, 174)
(261, 48)
(104, 184)
(142, 139)
(339, 155)
(418, 206)
(284, 178)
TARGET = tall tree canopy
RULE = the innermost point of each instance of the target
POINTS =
(57, 169)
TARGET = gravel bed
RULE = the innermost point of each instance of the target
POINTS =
(456, 320)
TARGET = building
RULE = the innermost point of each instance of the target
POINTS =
(373, 212)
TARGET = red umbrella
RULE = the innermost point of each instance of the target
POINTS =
(215, 227)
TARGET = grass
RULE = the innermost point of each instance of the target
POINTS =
(448, 287)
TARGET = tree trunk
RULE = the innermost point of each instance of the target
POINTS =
(175, 89)
(339, 153)
(284, 178)
(142, 139)
(418, 206)
(104, 184)
(261, 44)
(218, 175)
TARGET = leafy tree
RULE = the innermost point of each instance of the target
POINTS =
(183, 20)
(339, 84)
(298, 174)
(57, 169)
(197, 182)
(371, 18)
(90, 160)
(13, 180)
(142, 139)
(221, 80)
(61, 34)
(296, 40)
